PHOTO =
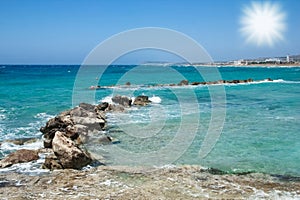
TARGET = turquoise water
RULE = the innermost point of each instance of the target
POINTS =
(261, 132)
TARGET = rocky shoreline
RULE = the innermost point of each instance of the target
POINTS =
(120, 182)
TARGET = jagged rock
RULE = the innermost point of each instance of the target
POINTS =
(87, 107)
(47, 143)
(183, 82)
(75, 131)
(68, 154)
(69, 129)
(53, 125)
(51, 162)
(81, 112)
(91, 123)
(102, 106)
(85, 114)
(141, 100)
(122, 100)
(20, 156)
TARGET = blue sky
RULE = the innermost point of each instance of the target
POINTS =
(65, 31)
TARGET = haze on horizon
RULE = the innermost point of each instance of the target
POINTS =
(64, 32)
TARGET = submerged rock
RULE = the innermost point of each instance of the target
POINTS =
(20, 156)
(22, 141)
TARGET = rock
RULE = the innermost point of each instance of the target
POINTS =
(85, 114)
(47, 143)
(116, 108)
(243, 81)
(87, 137)
(74, 131)
(220, 82)
(20, 156)
(141, 100)
(128, 84)
(122, 100)
(68, 154)
(269, 79)
(105, 139)
(87, 107)
(51, 162)
(74, 127)
(53, 125)
(183, 82)
(101, 114)
(91, 123)
(102, 106)
(81, 112)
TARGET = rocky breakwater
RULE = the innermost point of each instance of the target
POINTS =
(66, 133)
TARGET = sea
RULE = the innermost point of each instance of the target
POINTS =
(246, 127)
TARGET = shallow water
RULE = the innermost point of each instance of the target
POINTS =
(260, 133)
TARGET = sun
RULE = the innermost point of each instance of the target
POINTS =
(263, 23)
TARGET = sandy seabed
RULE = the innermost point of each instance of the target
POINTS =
(170, 182)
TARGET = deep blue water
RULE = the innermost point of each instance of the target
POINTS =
(261, 131)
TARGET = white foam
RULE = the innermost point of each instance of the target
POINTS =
(107, 99)
(43, 116)
(6, 146)
(278, 81)
(2, 117)
(31, 168)
(155, 99)
(2, 114)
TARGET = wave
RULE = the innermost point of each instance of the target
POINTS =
(7, 146)
(107, 99)
(43, 116)
(155, 99)
(29, 130)
(29, 168)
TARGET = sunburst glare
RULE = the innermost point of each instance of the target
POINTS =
(263, 23)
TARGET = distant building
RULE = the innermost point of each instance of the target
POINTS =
(273, 60)
(240, 62)
(288, 58)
